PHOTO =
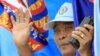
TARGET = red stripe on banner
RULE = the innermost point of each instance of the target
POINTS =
(7, 4)
(41, 30)
(21, 1)
(38, 9)
(38, 25)
(91, 1)
(35, 45)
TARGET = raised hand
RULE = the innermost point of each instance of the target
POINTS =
(85, 38)
(21, 27)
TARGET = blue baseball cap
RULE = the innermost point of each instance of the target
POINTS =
(65, 14)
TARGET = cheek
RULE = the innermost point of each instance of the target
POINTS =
(55, 39)
(68, 33)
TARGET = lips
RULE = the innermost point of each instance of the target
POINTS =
(64, 44)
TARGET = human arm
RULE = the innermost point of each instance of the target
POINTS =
(21, 31)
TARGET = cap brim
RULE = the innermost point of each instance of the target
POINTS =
(50, 24)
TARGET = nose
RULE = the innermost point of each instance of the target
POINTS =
(62, 37)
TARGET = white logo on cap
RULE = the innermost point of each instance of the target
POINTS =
(63, 10)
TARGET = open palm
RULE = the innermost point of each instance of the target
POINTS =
(21, 28)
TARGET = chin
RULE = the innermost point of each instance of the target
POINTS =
(67, 51)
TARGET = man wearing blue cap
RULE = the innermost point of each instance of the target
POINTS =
(64, 29)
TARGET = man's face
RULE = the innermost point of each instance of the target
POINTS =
(63, 32)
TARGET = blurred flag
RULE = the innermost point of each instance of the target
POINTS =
(38, 14)
(83, 8)
(7, 46)
(97, 27)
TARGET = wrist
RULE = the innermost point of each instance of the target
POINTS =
(22, 45)
(86, 52)
(19, 41)
(24, 50)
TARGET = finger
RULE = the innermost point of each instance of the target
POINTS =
(12, 20)
(27, 16)
(79, 33)
(30, 25)
(77, 37)
(17, 16)
(90, 27)
(83, 30)
(21, 15)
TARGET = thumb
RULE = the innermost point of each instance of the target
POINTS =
(30, 25)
